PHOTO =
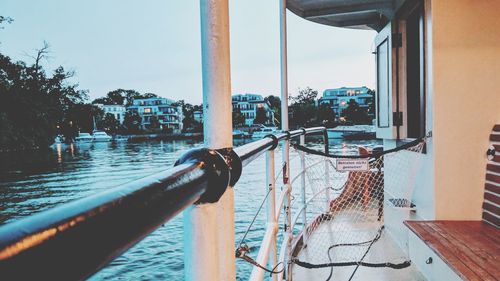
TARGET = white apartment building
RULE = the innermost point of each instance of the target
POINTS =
(248, 105)
(117, 110)
(169, 115)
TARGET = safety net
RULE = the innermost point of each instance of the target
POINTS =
(340, 230)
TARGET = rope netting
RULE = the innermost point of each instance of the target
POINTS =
(342, 223)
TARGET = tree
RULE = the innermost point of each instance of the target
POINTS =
(238, 118)
(132, 122)
(130, 95)
(109, 124)
(149, 95)
(6, 20)
(154, 123)
(303, 108)
(119, 97)
(81, 118)
(274, 103)
(355, 114)
(260, 116)
(306, 96)
(325, 115)
(188, 122)
(45, 100)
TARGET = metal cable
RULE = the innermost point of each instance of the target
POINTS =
(371, 155)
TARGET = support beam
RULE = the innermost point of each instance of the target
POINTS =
(284, 124)
(384, 7)
(209, 228)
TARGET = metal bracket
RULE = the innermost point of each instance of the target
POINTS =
(218, 170)
(490, 153)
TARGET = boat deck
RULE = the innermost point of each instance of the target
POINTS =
(334, 232)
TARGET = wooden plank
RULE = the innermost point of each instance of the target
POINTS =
(496, 159)
(493, 168)
(484, 245)
(442, 251)
(495, 137)
(470, 248)
(457, 249)
(492, 198)
(491, 219)
(491, 208)
(492, 188)
(493, 178)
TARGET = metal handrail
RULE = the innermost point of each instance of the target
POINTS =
(250, 151)
(74, 240)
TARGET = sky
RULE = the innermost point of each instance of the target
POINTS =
(154, 46)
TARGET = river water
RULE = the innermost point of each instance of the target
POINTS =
(34, 181)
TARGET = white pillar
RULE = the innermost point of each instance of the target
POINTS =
(271, 208)
(284, 120)
(303, 188)
(209, 228)
(284, 67)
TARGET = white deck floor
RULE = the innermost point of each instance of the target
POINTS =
(342, 231)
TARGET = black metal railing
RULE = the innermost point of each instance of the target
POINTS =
(76, 239)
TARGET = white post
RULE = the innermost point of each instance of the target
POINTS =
(209, 228)
(327, 183)
(271, 207)
(284, 123)
(303, 188)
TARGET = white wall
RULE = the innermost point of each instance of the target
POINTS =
(465, 94)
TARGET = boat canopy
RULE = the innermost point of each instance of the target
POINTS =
(359, 14)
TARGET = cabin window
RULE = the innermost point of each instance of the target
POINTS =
(383, 53)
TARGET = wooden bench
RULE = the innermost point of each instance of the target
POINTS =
(471, 249)
(463, 250)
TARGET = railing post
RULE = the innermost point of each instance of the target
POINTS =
(303, 188)
(209, 228)
(327, 170)
(284, 124)
(271, 207)
(285, 127)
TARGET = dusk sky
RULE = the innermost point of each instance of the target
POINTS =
(154, 46)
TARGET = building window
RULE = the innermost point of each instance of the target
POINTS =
(147, 110)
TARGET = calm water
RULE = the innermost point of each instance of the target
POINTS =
(34, 181)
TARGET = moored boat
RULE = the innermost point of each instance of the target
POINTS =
(263, 131)
(101, 136)
(84, 138)
(352, 132)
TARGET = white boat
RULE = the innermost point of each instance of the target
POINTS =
(101, 136)
(343, 131)
(263, 131)
(119, 138)
(84, 138)
(239, 134)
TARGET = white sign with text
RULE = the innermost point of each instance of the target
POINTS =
(345, 165)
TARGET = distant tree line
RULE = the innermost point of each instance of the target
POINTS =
(35, 104)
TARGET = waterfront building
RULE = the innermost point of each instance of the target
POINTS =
(165, 110)
(248, 104)
(115, 109)
(339, 98)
